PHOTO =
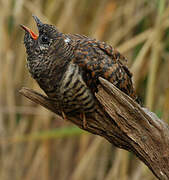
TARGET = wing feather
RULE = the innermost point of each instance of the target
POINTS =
(96, 59)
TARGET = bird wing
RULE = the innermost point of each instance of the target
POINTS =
(96, 59)
(113, 53)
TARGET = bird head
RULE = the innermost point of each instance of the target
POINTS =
(42, 44)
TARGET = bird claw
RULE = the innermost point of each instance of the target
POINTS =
(64, 116)
(83, 117)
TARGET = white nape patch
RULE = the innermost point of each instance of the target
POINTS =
(67, 40)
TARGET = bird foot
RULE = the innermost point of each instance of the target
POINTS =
(64, 115)
(83, 117)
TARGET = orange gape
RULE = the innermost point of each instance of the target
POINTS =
(33, 35)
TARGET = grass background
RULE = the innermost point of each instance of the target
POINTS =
(36, 144)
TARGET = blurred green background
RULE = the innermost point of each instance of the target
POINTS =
(35, 143)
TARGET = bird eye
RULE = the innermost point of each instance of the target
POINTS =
(45, 39)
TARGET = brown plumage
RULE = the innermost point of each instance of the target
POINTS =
(67, 67)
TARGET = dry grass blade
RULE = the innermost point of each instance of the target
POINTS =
(155, 59)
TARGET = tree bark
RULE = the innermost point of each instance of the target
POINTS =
(123, 123)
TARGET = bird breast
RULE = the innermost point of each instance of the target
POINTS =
(74, 90)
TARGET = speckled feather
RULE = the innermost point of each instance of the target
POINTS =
(99, 59)
(67, 67)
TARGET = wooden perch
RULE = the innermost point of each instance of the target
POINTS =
(123, 123)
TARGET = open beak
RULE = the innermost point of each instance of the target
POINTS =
(38, 23)
(33, 35)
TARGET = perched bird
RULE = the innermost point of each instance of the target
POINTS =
(67, 67)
